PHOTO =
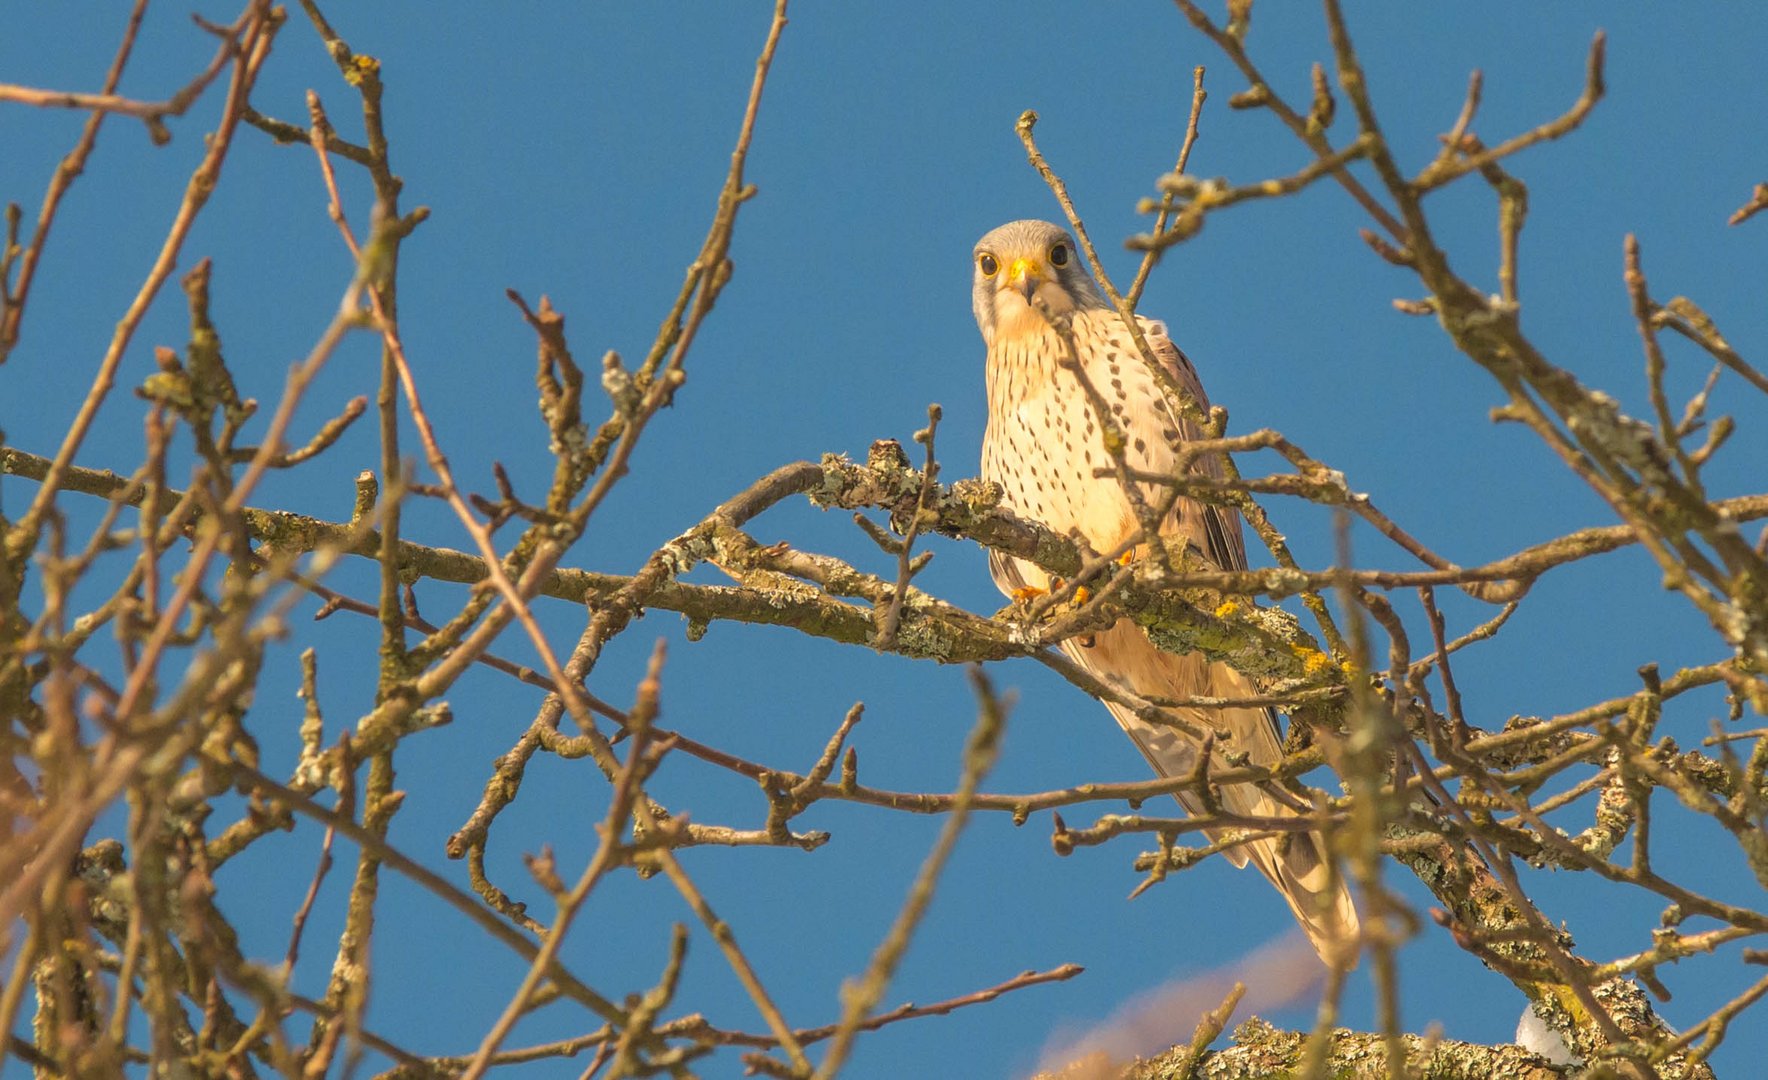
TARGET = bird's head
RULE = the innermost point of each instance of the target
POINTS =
(1026, 259)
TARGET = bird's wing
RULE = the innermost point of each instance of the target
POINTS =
(1296, 864)
(1124, 655)
(1217, 527)
(1221, 543)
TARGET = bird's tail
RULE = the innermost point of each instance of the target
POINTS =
(1296, 862)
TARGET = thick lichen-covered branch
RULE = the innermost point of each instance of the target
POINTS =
(1262, 1052)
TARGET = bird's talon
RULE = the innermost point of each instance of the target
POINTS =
(1028, 592)
(1082, 594)
(1127, 557)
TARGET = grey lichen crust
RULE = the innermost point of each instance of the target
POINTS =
(1263, 1052)
(1264, 642)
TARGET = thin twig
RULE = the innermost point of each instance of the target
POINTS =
(861, 996)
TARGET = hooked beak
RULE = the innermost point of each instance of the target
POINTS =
(1024, 276)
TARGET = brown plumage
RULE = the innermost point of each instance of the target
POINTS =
(1042, 446)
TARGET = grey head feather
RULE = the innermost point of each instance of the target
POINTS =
(1030, 239)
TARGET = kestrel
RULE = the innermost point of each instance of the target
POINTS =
(1043, 445)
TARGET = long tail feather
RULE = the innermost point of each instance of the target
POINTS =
(1298, 866)
(1296, 863)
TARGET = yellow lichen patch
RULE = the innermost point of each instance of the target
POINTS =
(1314, 662)
(363, 69)
(1227, 609)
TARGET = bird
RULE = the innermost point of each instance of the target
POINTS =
(1042, 316)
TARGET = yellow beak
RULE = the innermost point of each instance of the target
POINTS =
(1024, 276)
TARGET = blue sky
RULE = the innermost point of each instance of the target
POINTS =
(576, 151)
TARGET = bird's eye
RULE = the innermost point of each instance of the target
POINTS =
(989, 264)
(1059, 255)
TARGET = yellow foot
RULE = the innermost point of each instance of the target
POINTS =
(1082, 594)
(1031, 592)
(1127, 557)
